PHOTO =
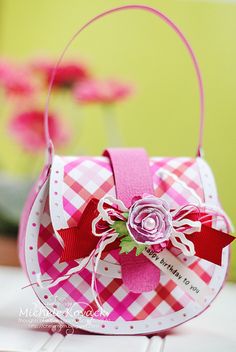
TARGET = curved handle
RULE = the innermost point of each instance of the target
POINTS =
(168, 22)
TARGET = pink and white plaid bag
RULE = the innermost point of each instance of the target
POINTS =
(123, 243)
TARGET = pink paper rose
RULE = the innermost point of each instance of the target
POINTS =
(150, 222)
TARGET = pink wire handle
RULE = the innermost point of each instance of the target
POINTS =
(167, 21)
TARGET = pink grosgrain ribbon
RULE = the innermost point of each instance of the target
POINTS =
(133, 178)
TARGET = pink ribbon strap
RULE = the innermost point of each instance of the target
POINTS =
(133, 178)
(170, 24)
(131, 172)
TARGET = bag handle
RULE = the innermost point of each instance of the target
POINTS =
(106, 13)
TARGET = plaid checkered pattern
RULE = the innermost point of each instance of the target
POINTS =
(85, 178)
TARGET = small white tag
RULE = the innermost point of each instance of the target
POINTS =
(180, 274)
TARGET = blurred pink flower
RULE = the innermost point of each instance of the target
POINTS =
(28, 129)
(101, 91)
(67, 75)
(15, 80)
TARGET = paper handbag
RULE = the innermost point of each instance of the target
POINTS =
(123, 243)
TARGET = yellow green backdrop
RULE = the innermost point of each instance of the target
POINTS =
(163, 115)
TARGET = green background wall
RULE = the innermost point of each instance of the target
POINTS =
(163, 115)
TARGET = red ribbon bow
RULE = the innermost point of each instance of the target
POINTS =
(79, 241)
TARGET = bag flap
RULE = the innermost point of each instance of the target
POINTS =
(75, 180)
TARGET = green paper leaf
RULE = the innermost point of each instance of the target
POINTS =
(127, 245)
(126, 215)
(140, 248)
(120, 227)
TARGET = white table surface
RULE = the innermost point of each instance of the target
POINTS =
(215, 330)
